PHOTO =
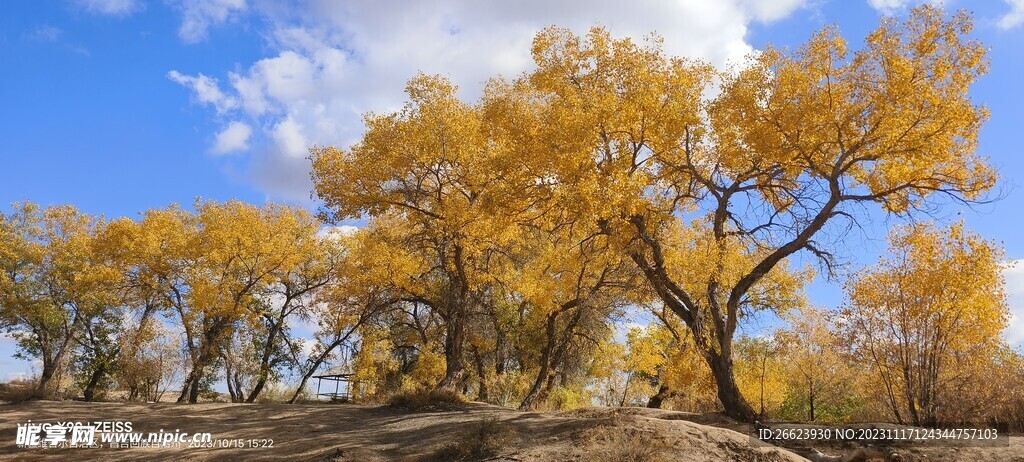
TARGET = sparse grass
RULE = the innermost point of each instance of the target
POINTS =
(487, 439)
(425, 400)
(613, 443)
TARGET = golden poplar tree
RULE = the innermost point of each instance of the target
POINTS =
(707, 179)
(778, 160)
(926, 315)
(431, 168)
(58, 292)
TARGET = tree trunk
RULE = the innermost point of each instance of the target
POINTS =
(625, 389)
(454, 344)
(49, 369)
(238, 386)
(545, 364)
(728, 393)
(323, 357)
(90, 389)
(186, 387)
(909, 395)
(810, 400)
(312, 370)
(664, 392)
(268, 351)
(264, 373)
(482, 373)
(193, 395)
(455, 329)
(208, 351)
(227, 378)
(191, 389)
(532, 397)
(256, 389)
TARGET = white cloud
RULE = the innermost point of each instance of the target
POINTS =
(46, 34)
(290, 139)
(1014, 333)
(234, 138)
(206, 90)
(337, 231)
(120, 8)
(888, 5)
(335, 61)
(1015, 16)
(767, 11)
(199, 15)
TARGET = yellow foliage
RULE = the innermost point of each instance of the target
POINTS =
(429, 369)
(761, 373)
(927, 315)
(373, 363)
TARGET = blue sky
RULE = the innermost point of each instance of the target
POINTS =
(117, 106)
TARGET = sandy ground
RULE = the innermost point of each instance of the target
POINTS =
(367, 433)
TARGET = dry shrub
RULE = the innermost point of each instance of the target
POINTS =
(425, 400)
(18, 390)
(487, 439)
(611, 443)
(275, 392)
(1011, 414)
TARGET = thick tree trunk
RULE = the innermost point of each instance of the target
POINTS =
(531, 398)
(186, 387)
(49, 369)
(728, 392)
(190, 388)
(454, 346)
(208, 351)
(51, 362)
(90, 389)
(256, 389)
(455, 329)
(193, 395)
(239, 390)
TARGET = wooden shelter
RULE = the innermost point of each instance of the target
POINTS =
(340, 393)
